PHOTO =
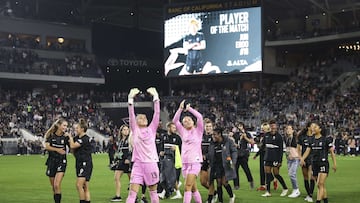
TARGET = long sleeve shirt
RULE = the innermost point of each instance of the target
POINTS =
(144, 147)
(191, 138)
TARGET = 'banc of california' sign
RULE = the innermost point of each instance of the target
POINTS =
(127, 62)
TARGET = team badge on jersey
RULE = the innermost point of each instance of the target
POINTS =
(62, 141)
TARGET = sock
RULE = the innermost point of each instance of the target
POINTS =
(307, 187)
(87, 201)
(154, 196)
(210, 197)
(318, 201)
(220, 193)
(178, 192)
(312, 186)
(143, 189)
(269, 178)
(197, 196)
(281, 180)
(132, 197)
(187, 196)
(229, 190)
(325, 200)
(57, 198)
(82, 201)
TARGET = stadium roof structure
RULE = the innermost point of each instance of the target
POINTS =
(148, 14)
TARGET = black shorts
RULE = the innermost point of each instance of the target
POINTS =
(217, 172)
(272, 163)
(205, 166)
(84, 169)
(55, 166)
(320, 167)
(120, 165)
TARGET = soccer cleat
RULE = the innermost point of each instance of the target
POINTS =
(232, 199)
(162, 194)
(267, 194)
(236, 187)
(295, 193)
(116, 199)
(252, 185)
(284, 193)
(261, 188)
(275, 184)
(177, 196)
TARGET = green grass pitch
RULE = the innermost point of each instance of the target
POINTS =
(22, 179)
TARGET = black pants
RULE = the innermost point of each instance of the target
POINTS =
(243, 162)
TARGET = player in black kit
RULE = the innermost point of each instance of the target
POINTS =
(82, 149)
(305, 136)
(194, 43)
(122, 160)
(205, 143)
(274, 144)
(320, 147)
(55, 144)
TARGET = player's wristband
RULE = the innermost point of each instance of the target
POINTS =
(156, 97)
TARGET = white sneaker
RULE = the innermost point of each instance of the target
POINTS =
(214, 199)
(232, 199)
(295, 193)
(308, 199)
(162, 194)
(267, 194)
(177, 196)
(284, 193)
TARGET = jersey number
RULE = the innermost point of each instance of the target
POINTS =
(322, 169)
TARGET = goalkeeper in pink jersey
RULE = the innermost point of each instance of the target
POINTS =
(144, 155)
(191, 155)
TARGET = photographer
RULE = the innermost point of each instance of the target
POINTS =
(242, 139)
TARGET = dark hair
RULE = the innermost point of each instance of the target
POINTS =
(242, 124)
(218, 130)
(272, 122)
(168, 124)
(83, 124)
(121, 128)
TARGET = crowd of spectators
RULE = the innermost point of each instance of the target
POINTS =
(33, 42)
(27, 61)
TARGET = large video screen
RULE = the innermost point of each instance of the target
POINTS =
(213, 42)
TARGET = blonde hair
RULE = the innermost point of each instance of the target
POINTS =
(54, 127)
(265, 127)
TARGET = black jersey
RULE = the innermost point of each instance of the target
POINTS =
(273, 144)
(218, 147)
(291, 142)
(197, 38)
(320, 148)
(303, 141)
(122, 149)
(205, 143)
(83, 153)
(243, 149)
(173, 139)
(57, 142)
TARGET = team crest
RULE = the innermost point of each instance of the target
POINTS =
(62, 141)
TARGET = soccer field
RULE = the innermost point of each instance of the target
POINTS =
(22, 179)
